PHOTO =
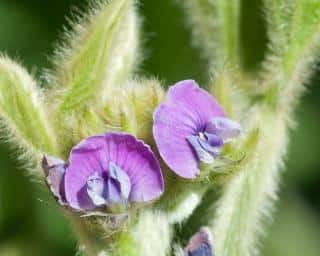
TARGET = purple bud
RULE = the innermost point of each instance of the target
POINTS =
(121, 182)
(204, 151)
(96, 188)
(108, 170)
(189, 127)
(199, 244)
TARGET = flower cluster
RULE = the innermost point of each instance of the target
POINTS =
(111, 171)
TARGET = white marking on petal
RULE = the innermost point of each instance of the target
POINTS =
(95, 189)
(202, 154)
(122, 178)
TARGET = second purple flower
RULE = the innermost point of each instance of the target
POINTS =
(189, 127)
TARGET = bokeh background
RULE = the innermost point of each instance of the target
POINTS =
(30, 222)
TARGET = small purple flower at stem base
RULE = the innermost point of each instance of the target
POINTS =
(191, 127)
(200, 244)
(106, 172)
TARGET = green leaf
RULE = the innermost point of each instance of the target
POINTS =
(23, 118)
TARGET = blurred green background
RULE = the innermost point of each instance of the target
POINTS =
(30, 223)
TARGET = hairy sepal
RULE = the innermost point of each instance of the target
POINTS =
(100, 53)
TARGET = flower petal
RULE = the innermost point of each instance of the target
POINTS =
(170, 131)
(214, 140)
(141, 165)
(96, 188)
(87, 158)
(113, 193)
(121, 178)
(201, 149)
(198, 102)
(212, 145)
(225, 128)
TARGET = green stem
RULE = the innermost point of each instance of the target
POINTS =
(216, 26)
(249, 195)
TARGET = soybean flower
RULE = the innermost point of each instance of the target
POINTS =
(105, 172)
(189, 127)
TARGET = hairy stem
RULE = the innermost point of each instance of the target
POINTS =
(216, 29)
(249, 194)
(294, 31)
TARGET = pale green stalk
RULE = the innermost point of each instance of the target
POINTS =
(215, 26)
(204, 36)
(228, 13)
(247, 197)
(294, 29)
(300, 56)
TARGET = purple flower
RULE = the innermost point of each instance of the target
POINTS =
(200, 244)
(104, 171)
(189, 127)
